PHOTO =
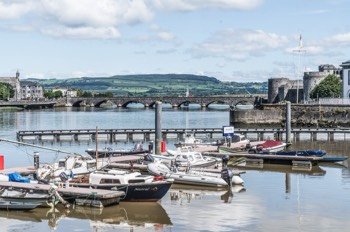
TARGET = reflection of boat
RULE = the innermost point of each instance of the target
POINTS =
(137, 187)
(314, 170)
(140, 215)
(188, 192)
(15, 205)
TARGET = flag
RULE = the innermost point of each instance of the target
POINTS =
(300, 43)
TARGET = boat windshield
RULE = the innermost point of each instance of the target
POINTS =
(236, 138)
(61, 163)
(198, 156)
(91, 165)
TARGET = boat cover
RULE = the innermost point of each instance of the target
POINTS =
(16, 177)
(271, 143)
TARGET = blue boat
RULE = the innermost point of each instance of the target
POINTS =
(317, 153)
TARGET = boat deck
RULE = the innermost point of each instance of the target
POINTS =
(268, 157)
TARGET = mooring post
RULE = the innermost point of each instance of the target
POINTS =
(288, 122)
(158, 128)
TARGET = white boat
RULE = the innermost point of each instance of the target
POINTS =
(190, 177)
(269, 146)
(71, 166)
(187, 159)
(137, 187)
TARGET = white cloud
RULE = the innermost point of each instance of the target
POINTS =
(239, 44)
(189, 5)
(83, 32)
(15, 9)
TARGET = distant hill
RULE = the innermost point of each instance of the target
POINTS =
(155, 85)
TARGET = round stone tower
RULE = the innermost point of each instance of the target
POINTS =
(273, 85)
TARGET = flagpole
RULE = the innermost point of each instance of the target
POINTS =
(298, 70)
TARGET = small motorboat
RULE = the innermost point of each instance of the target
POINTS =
(268, 146)
(187, 159)
(317, 153)
(137, 187)
(15, 205)
(109, 152)
(197, 178)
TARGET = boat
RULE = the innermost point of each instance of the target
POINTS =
(187, 158)
(318, 153)
(190, 140)
(71, 166)
(268, 146)
(197, 178)
(137, 187)
(109, 152)
(17, 194)
(14, 205)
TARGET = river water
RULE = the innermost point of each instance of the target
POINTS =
(274, 197)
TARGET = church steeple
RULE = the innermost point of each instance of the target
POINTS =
(17, 74)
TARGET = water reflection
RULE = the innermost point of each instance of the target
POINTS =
(125, 214)
(185, 194)
(314, 170)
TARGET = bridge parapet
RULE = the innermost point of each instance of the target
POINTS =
(174, 101)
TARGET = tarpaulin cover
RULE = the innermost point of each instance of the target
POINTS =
(16, 177)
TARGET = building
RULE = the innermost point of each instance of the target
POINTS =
(346, 79)
(283, 89)
(31, 90)
(311, 79)
(66, 92)
(15, 83)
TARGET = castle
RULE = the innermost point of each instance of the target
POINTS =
(283, 89)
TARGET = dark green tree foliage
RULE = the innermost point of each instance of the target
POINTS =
(6, 91)
(331, 86)
(49, 94)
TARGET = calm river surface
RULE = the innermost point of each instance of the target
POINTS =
(274, 197)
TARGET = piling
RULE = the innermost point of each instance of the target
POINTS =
(36, 160)
(158, 127)
(288, 122)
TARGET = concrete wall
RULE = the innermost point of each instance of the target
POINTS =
(303, 116)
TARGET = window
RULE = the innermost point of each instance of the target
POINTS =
(109, 181)
(348, 77)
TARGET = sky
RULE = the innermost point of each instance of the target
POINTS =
(231, 40)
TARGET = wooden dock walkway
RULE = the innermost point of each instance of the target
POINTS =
(145, 134)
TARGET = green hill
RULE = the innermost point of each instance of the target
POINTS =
(155, 85)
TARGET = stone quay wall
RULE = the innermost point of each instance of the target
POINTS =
(303, 116)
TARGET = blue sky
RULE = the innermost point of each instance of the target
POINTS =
(231, 40)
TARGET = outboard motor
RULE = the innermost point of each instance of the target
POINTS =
(227, 175)
(225, 160)
(148, 158)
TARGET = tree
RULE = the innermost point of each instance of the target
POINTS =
(6, 91)
(331, 86)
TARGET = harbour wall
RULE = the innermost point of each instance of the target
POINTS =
(303, 116)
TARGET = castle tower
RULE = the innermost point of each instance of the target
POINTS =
(273, 88)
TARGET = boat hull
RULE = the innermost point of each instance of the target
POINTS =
(143, 192)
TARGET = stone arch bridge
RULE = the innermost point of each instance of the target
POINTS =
(232, 101)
